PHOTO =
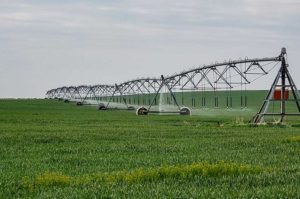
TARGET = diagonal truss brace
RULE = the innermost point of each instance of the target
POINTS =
(283, 75)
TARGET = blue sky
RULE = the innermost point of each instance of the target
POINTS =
(47, 44)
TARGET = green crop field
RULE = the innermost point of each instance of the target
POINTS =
(51, 149)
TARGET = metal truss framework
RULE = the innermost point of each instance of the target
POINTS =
(282, 81)
(216, 76)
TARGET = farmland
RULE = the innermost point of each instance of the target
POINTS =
(51, 149)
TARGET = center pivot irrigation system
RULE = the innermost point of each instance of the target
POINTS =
(226, 76)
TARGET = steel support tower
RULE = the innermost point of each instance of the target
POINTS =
(282, 82)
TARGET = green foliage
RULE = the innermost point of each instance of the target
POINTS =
(51, 149)
(143, 174)
(293, 139)
(53, 179)
(46, 179)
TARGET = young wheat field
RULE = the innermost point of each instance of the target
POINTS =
(51, 149)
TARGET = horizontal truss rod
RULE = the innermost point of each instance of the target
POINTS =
(276, 59)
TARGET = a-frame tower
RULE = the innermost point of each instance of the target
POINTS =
(280, 89)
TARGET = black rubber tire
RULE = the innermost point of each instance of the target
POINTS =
(185, 111)
(102, 107)
(141, 111)
(131, 108)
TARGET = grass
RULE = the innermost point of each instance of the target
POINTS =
(293, 139)
(141, 175)
(50, 149)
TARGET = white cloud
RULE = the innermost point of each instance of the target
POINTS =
(138, 38)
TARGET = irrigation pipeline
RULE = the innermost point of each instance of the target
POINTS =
(217, 76)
